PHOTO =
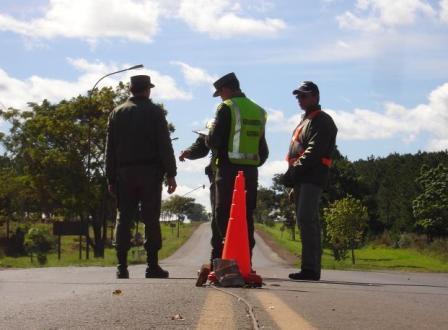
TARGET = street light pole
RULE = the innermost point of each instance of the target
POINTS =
(201, 186)
(89, 146)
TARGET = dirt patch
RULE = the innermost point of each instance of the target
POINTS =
(290, 258)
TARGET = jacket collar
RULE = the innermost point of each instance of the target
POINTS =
(312, 109)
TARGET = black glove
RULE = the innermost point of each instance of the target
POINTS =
(287, 179)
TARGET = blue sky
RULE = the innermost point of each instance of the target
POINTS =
(381, 65)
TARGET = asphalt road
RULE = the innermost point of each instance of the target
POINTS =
(90, 297)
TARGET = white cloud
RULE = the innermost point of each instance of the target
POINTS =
(419, 51)
(194, 75)
(138, 20)
(396, 121)
(267, 171)
(17, 93)
(444, 11)
(277, 122)
(194, 166)
(89, 20)
(374, 15)
(221, 19)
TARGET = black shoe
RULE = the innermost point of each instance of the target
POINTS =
(122, 273)
(156, 272)
(305, 275)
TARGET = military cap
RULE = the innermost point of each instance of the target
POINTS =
(141, 81)
(225, 80)
(306, 87)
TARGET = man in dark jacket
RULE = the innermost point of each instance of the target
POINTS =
(138, 155)
(309, 159)
(238, 136)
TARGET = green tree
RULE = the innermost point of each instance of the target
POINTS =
(266, 206)
(196, 212)
(57, 157)
(284, 207)
(39, 241)
(346, 221)
(431, 206)
(178, 205)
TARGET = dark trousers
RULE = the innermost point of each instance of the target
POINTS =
(307, 198)
(225, 181)
(214, 225)
(139, 184)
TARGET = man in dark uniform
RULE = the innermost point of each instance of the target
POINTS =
(138, 155)
(200, 149)
(309, 159)
(238, 137)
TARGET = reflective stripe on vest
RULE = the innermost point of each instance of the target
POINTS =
(291, 159)
(247, 125)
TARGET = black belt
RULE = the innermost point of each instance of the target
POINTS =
(138, 163)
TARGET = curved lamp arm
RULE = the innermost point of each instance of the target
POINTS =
(139, 66)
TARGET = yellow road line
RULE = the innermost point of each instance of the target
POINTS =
(281, 313)
(217, 312)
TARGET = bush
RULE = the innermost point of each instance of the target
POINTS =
(269, 222)
(384, 239)
(345, 222)
(440, 247)
(406, 240)
(39, 241)
(414, 241)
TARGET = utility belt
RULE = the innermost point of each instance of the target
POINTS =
(144, 162)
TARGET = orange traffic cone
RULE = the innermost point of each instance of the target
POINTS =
(236, 244)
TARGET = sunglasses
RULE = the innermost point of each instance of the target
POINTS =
(301, 96)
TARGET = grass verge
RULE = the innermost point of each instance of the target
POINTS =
(369, 257)
(70, 251)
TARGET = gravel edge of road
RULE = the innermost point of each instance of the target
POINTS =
(290, 258)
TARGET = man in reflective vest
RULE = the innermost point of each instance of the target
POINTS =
(238, 136)
(309, 159)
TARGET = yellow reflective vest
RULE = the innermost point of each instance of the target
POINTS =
(248, 121)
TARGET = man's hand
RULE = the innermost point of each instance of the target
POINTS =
(287, 179)
(184, 154)
(172, 185)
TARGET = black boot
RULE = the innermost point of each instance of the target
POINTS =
(305, 275)
(154, 270)
(122, 272)
(122, 267)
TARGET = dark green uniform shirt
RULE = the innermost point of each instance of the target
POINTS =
(200, 149)
(138, 134)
